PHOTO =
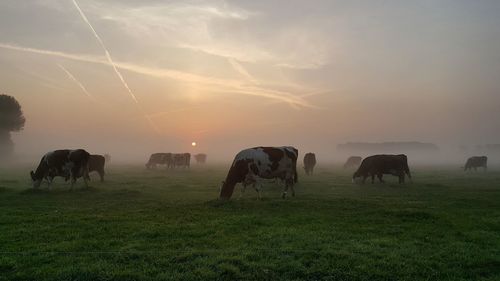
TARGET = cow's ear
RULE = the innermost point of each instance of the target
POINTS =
(32, 174)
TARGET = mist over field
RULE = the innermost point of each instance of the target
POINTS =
(130, 78)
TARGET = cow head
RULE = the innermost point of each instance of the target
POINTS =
(355, 176)
(226, 190)
(34, 180)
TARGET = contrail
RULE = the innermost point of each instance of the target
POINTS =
(108, 56)
(241, 70)
(73, 78)
(223, 85)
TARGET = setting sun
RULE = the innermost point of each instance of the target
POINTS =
(193, 143)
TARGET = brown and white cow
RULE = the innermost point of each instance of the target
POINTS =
(200, 158)
(159, 159)
(69, 164)
(252, 164)
(378, 165)
(181, 160)
(309, 163)
(96, 164)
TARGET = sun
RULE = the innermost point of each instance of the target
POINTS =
(193, 143)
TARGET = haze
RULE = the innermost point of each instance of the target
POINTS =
(235, 74)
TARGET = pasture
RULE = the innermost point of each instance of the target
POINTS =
(168, 225)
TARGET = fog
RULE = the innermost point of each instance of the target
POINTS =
(131, 78)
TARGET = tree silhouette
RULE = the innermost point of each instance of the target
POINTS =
(11, 120)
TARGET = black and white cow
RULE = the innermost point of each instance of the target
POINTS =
(69, 164)
(261, 162)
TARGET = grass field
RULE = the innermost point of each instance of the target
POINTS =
(168, 225)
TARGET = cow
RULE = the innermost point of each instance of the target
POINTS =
(70, 164)
(476, 162)
(159, 159)
(181, 160)
(352, 162)
(200, 158)
(378, 165)
(107, 157)
(263, 163)
(96, 164)
(309, 163)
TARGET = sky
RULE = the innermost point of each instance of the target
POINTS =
(134, 77)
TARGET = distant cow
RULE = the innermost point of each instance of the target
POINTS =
(200, 158)
(309, 163)
(261, 162)
(476, 162)
(107, 157)
(159, 159)
(96, 164)
(69, 164)
(378, 165)
(181, 160)
(352, 162)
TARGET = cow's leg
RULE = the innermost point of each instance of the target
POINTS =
(364, 179)
(293, 190)
(49, 182)
(285, 191)
(101, 174)
(86, 181)
(258, 187)
(379, 176)
(243, 187)
(373, 178)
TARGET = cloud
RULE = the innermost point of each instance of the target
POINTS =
(108, 55)
(220, 29)
(211, 84)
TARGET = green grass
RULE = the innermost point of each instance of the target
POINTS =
(168, 225)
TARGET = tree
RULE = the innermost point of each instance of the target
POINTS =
(11, 120)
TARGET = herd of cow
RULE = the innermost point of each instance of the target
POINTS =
(248, 168)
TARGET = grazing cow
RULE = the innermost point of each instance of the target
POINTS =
(352, 162)
(200, 158)
(70, 164)
(181, 160)
(378, 165)
(159, 159)
(309, 163)
(261, 162)
(96, 164)
(476, 162)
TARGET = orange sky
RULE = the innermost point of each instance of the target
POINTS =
(133, 78)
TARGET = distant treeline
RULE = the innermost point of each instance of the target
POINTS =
(489, 147)
(396, 147)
